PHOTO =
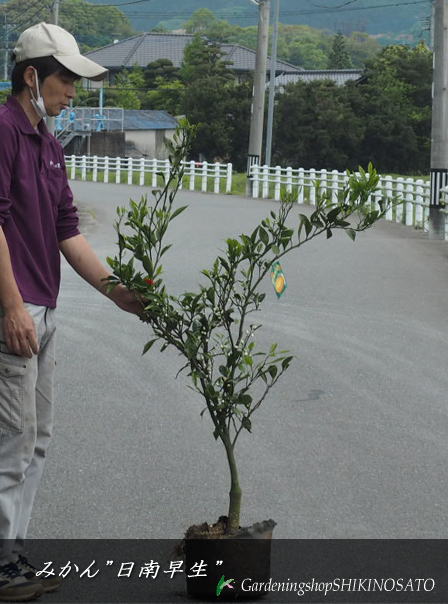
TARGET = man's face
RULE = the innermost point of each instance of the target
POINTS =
(57, 90)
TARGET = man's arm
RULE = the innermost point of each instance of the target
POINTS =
(86, 263)
(18, 326)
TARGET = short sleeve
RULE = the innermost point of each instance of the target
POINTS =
(68, 220)
(8, 153)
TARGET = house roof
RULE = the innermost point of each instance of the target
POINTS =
(146, 119)
(148, 47)
(340, 76)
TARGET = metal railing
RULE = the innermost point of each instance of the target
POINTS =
(91, 119)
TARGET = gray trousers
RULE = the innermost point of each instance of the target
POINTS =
(26, 421)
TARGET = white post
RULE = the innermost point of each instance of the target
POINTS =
(142, 172)
(313, 187)
(278, 183)
(83, 168)
(323, 181)
(154, 182)
(400, 195)
(106, 169)
(192, 175)
(378, 195)
(389, 194)
(255, 177)
(130, 167)
(289, 179)
(117, 170)
(229, 178)
(95, 169)
(334, 186)
(410, 202)
(73, 167)
(301, 185)
(265, 181)
(204, 177)
(181, 183)
(419, 201)
(217, 176)
(167, 170)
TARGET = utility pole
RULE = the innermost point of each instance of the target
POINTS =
(51, 122)
(56, 12)
(439, 134)
(274, 53)
(259, 93)
(5, 73)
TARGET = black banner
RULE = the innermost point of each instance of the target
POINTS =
(388, 571)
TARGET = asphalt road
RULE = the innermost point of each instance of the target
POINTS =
(353, 441)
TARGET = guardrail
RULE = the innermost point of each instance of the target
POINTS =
(202, 176)
(268, 182)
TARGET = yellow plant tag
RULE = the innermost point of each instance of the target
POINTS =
(278, 279)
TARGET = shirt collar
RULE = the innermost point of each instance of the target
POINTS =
(21, 119)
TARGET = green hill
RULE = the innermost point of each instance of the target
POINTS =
(388, 17)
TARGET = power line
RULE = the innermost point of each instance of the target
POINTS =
(124, 3)
(284, 13)
(28, 20)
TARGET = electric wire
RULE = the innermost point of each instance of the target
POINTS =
(29, 19)
(284, 13)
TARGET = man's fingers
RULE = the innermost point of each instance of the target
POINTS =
(32, 341)
(15, 346)
(23, 343)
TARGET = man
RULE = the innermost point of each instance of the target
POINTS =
(37, 221)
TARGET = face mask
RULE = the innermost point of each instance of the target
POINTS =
(38, 103)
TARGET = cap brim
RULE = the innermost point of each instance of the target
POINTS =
(82, 66)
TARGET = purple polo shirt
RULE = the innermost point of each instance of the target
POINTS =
(36, 204)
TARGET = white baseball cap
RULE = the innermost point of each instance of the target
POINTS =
(47, 40)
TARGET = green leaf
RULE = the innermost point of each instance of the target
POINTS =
(246, 423)
(286, 362)
(246, 400)
(177, 212)
(351, 233)
(263, 236)
(149, 345)
(273, 371)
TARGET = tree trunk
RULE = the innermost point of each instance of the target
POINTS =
(235, 491)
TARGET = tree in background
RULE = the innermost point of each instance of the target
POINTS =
(215, 102)
(92, 25)
(204, 59)
(339, 57)
(299, 44)
(384, 118)
(316, 127)
(128, 89)
(395, 100)
(161, 70)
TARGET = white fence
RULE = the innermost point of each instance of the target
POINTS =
(269, 182)
(202, 176)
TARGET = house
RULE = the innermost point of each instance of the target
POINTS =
(339, 76)
(146, 130)
(149, 47)
(118, 132)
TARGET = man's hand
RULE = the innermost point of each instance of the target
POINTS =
(126, 300)
(20, 332)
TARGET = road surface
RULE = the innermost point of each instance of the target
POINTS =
(352, 442)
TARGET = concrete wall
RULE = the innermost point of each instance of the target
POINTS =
(101, 143)
(150, 143)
